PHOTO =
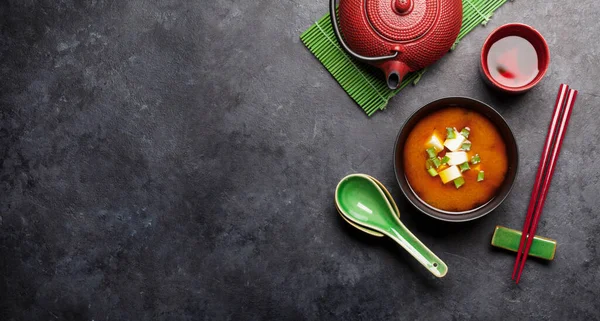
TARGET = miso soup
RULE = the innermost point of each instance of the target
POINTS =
(455, 159)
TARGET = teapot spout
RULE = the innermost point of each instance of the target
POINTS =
(394, 72)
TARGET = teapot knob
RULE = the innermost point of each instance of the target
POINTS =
(402, 6)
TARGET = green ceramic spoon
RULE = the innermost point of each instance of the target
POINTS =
(363, 202)
(389, 198)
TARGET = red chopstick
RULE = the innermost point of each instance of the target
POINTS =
(572, 96)
(558, 107)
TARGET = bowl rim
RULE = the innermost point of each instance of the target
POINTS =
(486, 71)
(420, 203)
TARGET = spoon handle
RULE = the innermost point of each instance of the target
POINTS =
(418, 250)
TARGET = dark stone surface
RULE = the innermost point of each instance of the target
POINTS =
(176, 160)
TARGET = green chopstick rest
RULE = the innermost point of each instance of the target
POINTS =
(509, 239)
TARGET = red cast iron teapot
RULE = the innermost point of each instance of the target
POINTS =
(397, 36)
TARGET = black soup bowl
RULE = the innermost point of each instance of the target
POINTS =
(503, 129)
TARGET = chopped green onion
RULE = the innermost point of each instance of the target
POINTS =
(450, 133)
(431, 152)
(466, 146)
(464, 166)
(428, 164)
(433, 162)
(465, 132)
(432, 172)
(458, 182)
(480, 176)
(445, 160)
(475, 159)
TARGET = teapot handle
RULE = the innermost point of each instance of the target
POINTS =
(334, 23)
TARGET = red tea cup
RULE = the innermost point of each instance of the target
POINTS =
(529, 34)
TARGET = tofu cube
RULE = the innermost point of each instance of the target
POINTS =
(449, 174)
(457, 158)
(454, 144)
(435, 142)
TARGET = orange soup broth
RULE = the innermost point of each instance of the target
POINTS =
(486, 141)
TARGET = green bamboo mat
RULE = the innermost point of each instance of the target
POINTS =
(363, 82)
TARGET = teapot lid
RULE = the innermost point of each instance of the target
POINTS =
(402, 21)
